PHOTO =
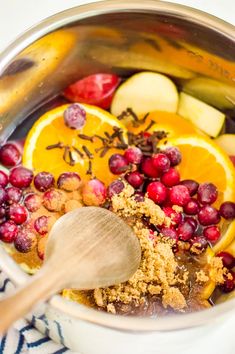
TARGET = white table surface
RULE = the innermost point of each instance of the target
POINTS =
(18, 15)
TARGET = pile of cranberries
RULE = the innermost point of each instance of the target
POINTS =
(157, 177)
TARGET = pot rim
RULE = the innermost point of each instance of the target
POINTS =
(69, 308)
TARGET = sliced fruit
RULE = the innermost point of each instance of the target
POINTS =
(210, 286)
(145, 92)
(204, 161)
(225, 297)
(228, 235)
(171, 123)
(77, 296)
(231, 248)
(203, 116)
(216, 93)
(227, 143)
(97, 89)
(50, 129)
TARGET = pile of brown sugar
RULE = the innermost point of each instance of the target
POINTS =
(159, 271)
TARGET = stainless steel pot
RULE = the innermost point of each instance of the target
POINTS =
(194, 48)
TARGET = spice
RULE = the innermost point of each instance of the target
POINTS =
(86, 137)
(87, 152)
(58, 145)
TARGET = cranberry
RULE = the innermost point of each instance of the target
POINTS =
(148, 168)
(171, 177)
(207, 193)
(3, 179)
(14, 195)
(69, 181)
(133, 155)
(161, 162)
(3, 196)
(75, 116)
(118, 164)
(115, 187)
(43, 181)
(169, 232)
(18, 213)
(192, 207)
(227, 210)
(198, 243)
(41, 247)
(193, 222)
(227, 259)
(135, 179)
(208, 215)
(212, 233)
(94, 192)
(9, 155)
(21, 177)
(139, 196)
(157, 192)
(179, 195)
(32, 202)
(185, 231)
(25, 241)
(2, 212)
(8, 231)
(41, 225)
(175, 216)
(191, 185)
(229, 284)
(54, 199)
(174, 155)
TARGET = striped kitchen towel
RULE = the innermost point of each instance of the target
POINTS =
(23, 338)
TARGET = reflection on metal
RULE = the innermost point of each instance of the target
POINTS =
(198, 58)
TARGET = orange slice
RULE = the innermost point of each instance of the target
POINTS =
(51, 129)
(171, 123)
(204, 161)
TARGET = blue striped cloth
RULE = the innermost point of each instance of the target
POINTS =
(23, 338)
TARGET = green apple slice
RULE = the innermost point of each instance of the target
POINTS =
(227, 143)
(146, 92)
(206, 118)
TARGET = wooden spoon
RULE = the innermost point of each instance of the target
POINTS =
(87, 248)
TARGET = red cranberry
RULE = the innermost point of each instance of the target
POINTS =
(32, 202)
(3, 195)
(179, 195)
(8, 231)
(69, 181)
(157, 192)
(18, 213)
(227, 259)
(118, 164)
(175, 216)
(94, 192)
(41, 225)
(3, 179)
(21, 177)
(174, 155)
(133, 155)
(54, 199)
(148, 169)
(43, 181)
(192, 207)
(139, 197)
(161, 162)
(212, 233)
(25, 241)
(9, 155)
(207, 193)
(208, 215)
(135, 179)
(115, 187)
(75, 116)
(171, 177)
(185, 231)
(193, 222)
(227, 210)
(191, 185)
(169, 232)
(14, 195)
(198, 243)
(229, 284)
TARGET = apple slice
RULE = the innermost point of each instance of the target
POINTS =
(145, 92)
(206, 118)
(227, 143)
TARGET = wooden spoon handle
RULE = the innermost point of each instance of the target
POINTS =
(22, 301)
